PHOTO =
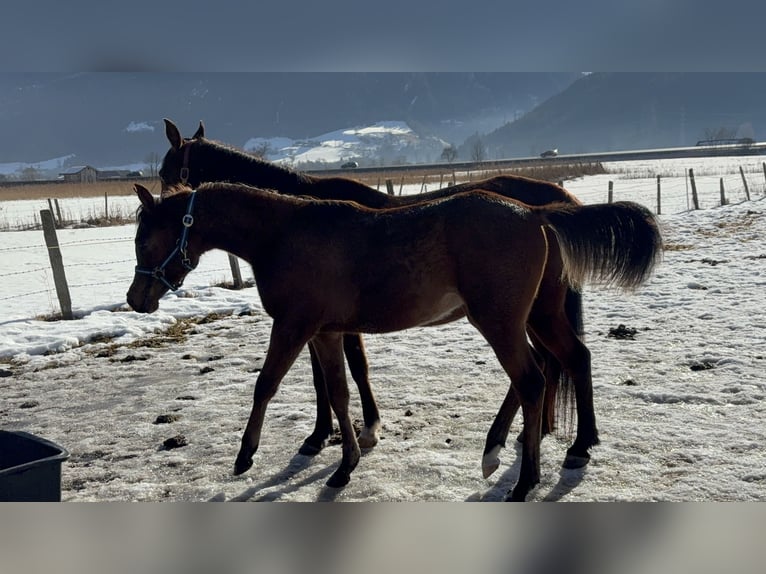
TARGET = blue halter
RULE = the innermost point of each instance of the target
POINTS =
(180, 249)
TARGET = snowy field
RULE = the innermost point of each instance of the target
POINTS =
(681, 407)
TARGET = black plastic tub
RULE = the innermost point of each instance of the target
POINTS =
(30, 468)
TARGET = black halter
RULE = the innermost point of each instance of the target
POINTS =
(180, 249)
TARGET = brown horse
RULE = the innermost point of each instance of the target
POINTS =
(324, 268)
(197, 160)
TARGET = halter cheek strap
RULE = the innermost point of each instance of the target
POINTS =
(180, 249)
(185, 167)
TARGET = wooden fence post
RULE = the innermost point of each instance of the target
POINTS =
(610, 193)
(423, 185)
(50, 208)
(390, 187)
(744, 180)
(401, 185)
(659, 196)
(57, 263)
(235, 271)
(106, 205)
(441, 176)
(764, 170)
(723, 193)
(695, 199)
(58, 212)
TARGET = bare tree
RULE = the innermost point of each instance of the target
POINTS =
(29, 174)
(154, 160)
(261, 151)
(720, 133)
(478, 151)
(449, 153)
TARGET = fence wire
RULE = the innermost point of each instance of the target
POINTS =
(624, 186)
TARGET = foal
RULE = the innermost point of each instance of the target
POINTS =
(324, 268)
(557, 306)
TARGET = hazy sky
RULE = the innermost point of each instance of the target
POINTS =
(483, 35)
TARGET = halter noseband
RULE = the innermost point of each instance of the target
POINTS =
(180, 249)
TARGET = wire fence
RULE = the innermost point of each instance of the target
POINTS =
(99, 267)
(96, 272)
(693, 188)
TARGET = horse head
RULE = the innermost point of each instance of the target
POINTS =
(163, 253)
(175, 164)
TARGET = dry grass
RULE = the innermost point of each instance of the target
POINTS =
(431, 178)
(436, 178)
(56, 190)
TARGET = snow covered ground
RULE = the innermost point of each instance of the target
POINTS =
(681, 407)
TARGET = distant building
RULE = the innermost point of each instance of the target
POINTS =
(113, 173)
(80, 174)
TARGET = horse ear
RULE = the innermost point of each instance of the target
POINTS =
(146, 197)
(200, 133)
(172, 133)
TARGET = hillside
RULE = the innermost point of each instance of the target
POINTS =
(613, 111)
(116, 118)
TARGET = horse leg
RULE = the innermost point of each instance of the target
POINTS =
(316, 441)
(552, 371)
(506, 334)
(353, 346)
(499, 431)
(329, 350)
(557, 335)
(528, 385)
(285, 345)
(556, 321)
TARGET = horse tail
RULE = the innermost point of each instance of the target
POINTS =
(565, 405)
(615, 244)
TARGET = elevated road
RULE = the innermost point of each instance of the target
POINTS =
(758, 148)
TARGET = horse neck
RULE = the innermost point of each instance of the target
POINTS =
(239, 222)
(218, 163)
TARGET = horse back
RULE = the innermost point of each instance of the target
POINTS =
(524, 189)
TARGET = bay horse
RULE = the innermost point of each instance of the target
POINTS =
(197, 159)
(324, 268)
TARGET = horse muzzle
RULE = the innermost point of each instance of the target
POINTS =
(141, 299)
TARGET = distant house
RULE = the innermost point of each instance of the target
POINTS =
(80, 174)
(113, 173)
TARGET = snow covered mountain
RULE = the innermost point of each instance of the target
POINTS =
(382, 143)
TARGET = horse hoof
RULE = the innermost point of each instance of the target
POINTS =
(490, 462)
(574, 461)
(242, 465)
(367, 438)
(338, 479)
(514, 496)
(309, 449)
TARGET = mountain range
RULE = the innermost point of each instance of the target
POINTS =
(108, 119)
(116, 118)
(623, 111)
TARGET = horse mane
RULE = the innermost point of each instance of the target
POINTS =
(236, 160)
(175, 189)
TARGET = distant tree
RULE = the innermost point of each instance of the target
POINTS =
(29, 174)
(153, 160)
(261, 151)
(478, 150)
(720, 133)
(449, 153)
